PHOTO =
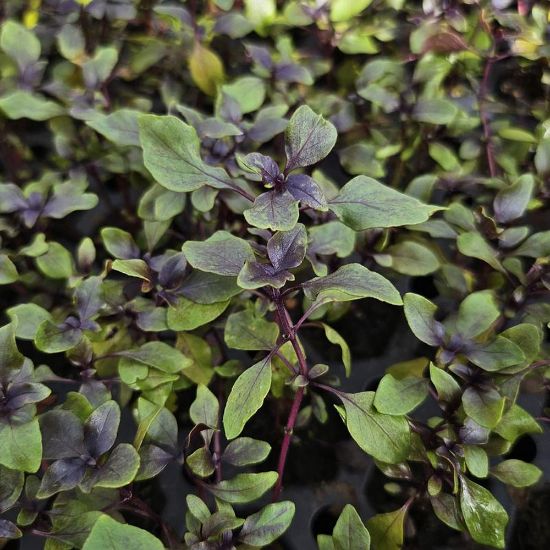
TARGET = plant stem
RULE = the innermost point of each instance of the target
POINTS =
(289, 333)
(289, 429)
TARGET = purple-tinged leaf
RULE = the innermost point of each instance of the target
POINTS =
(120, 244)
(235, 25)
(262, 165)
(309, 138)
(153, 460)
(68, 198)
(267, 525)
(11, 198)
(55, 338)
(420, 315)
(292, 72)
(266, 128)
(255, 275)
(19, 395)
(260, 55)
(244, 451)
(273, 210)
(222, 254)
(100, 430)
(287, 249)
(119, 469)
(62, 435)
(88, 297)
(511, 201)
(305, 189)
(8, 530)
(62, 475)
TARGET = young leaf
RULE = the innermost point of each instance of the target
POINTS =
(222, 253)
(385, 437)
(400, 396)
(245, 330)
(246, 397)
(273, 210)
(206, 69)
(244, 488)
(334, 338)
(171, 152)
(245, 450)
(446, 386)
(287, 249)
(364, 203)
(386, 530)
(100, 430)
(267, 525)
(516, 473)
(109, 534)
(485, 518)
(477, 313)
(21, 446)
(309, 138)
(351, 282)
(420, 315)
(349, 532)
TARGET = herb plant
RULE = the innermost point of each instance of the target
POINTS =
(201, 201)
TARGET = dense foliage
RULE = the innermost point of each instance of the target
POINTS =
(196, 196)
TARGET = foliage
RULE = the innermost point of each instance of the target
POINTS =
(194, 193)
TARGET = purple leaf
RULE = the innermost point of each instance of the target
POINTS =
(101, 428)
(260, 55)
(256, 275)
(88, 298)
(62, 435)
(26, 393)
(265, 166)
(153, 460)
(292, 72)
(62, 475)
(287, 249)
(266, 128)
(8, 530)
(305, 189)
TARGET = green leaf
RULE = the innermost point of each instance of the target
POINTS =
(222, 253)
(446, 508)
(349, 532)
(21, 446)
(420, 314)
(10, 358)
(412, 258)
(472, 244)
(53, 338)
(385, 437)
(206, 68)
(246, 397)
(400, 396)
(309, 138)
(386, 530)
(244, 488)
(511, 201)
(158, 355)
(497, 355)
(27, 318)
(477, 460)
(536, 246)
(484, 406)
(334, 338)
(364, 203)
(248, 91)
(201, 463)
(485, 518)
(435, 111)
(245, 450)
(273, 210)
(108, 534)
(20, 44)
(516, 473)
(8, 271)
(119, 127)
(448, 389)
(171, 152)
(205, 408)
(516, 422)
(342, 10)
(188, 315)
(517, 134)
(23, 104)
(351, 282)
(477, 313)
(11, 485)
(267, 525)
(57, 263)
(245, 330)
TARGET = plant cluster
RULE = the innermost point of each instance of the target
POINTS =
(193, 193)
